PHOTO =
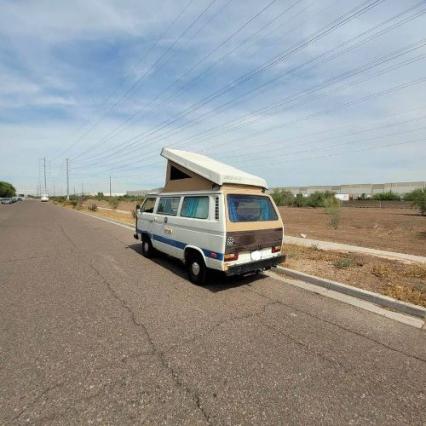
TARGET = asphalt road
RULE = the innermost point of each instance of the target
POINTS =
(92, 332)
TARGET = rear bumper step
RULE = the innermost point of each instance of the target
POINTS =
(260, 265)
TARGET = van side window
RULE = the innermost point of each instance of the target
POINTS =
(195, 207)
(148, 205)
(176, 174)
(168, 206)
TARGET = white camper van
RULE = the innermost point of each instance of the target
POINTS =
(211, 216)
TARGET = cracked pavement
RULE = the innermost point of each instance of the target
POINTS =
(92, 332)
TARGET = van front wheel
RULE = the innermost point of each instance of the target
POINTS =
(197, 270)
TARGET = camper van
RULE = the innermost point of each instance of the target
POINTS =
(211, 216)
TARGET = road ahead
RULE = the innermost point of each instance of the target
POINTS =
(92, 332)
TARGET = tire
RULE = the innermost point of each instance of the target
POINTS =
(147, 248)
(196, 268)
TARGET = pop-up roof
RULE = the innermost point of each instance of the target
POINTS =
(210, 169)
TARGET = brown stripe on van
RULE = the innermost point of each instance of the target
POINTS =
(253, 240)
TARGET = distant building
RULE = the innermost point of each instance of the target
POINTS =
(142, 192)
(353, 191)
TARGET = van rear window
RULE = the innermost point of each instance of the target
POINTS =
(250, 208)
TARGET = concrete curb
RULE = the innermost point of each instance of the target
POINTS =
(369, 296)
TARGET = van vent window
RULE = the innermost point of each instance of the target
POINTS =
(216, 208)
(176, 174)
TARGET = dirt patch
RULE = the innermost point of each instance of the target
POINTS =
(400, 230)
(399, 280)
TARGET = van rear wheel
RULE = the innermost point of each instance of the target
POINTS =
(196, 268)
(147, 248)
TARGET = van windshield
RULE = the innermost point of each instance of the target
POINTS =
(250, 208)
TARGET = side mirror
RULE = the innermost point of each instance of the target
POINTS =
(138, 206)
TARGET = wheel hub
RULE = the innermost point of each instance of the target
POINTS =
(195, 268)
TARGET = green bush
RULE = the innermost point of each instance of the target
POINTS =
(7, 189)
(343, 263)
(100, 196)
(113, 202)
(418, 199)
(332, 208)
(299, 201)
(282, 197)
(387, 196)
(321, 199)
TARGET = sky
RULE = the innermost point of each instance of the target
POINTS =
(298, 92)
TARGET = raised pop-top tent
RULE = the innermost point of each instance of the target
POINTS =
(189, 171)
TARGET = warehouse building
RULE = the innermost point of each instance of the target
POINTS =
(358, 190)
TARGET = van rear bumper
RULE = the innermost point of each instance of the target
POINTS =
(260, 265)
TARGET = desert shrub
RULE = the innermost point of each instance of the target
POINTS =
(343, 263)
(387, 196)
(299, 201)
(282, 197)
(382, 270)
(100, 196)
(320, 199)
(92, 207)
(332, 208)
(113, 202)
(418, 199)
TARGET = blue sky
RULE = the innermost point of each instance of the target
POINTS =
(299, 92)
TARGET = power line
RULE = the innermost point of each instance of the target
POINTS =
(355, 12)
(347, 104)
(344, 76)
(203, 59)
(169, 49)
(134, 84)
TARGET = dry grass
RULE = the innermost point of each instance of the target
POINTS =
(399, 280)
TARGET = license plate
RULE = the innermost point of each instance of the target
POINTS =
(256, 255)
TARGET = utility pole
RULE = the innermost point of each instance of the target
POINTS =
(82, 190)
(44, 167)
(68, 179)
(110, 191)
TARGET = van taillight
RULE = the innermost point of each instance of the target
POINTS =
(276, 249)
(231, 256)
